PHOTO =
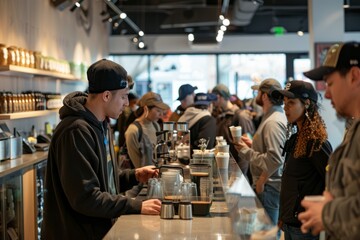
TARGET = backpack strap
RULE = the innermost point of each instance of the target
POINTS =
(138, 125)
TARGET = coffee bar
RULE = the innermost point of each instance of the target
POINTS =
(207, 198)
(238, 215)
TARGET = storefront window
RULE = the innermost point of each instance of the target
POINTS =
(164, 74)
(241, 71)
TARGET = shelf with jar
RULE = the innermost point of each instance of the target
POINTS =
(28, 104)
(16, 61)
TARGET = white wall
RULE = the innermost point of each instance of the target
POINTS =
(37, 25)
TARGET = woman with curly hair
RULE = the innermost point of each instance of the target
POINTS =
(306, 155)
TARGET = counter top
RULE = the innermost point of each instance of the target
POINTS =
(240, 216)
(12, 165)
(216, 226)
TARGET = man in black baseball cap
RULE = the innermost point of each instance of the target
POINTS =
(107, 75)
(82, 178)
(341, 71)
(186, 98)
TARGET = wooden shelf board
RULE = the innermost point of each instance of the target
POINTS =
(29, 114)
(13, 70)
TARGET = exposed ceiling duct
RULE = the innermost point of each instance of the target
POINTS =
(243, 12)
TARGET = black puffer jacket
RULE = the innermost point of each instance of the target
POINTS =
(78, 204)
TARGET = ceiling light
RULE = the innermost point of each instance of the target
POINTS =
(135, 39)
(346, 4)
(221, 17)
(219, 38)
(226, 22)
(191, 37)
(300, 33)
(76, 5)
(223, 28)
(123, 15)
(141, 45)
(141, 33)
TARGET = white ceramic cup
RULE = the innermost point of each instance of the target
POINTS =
(222, 160)
(236, 133)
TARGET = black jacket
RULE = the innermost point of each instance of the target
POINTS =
(301, 177)
(77, 202)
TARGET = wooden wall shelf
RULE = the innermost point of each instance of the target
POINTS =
(12, 70)
(29, 114)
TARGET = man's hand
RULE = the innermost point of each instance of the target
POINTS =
(260, 183)
(246, 140)
(144, 173)
(151, 207)
(311, 218)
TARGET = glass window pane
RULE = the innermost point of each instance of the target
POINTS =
(240, 71)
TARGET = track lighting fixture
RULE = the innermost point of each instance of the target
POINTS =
(76, 5)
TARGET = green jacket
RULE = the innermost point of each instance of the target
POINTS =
(341, 216)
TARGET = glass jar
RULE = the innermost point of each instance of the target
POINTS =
(27, 58)
(31, 59)
(22, 57)
(17, 56)
(3, 55)
(37, 59)
(11, 56)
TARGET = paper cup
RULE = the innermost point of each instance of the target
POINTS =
(222, 160)
(223, 148)
(236, 133)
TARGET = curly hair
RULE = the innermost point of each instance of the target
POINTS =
(313, 132)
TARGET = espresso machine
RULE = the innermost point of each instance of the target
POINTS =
(164, 150)
(173, 145)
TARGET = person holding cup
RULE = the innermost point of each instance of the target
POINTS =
(264, 151)
(338, 214)
(307, 153)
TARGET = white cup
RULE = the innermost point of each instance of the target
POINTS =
(223, 148)
(222, 160)
(236, 133)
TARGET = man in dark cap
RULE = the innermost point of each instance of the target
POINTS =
(186, 98)
(338, 212)
(201, 123)
(82, 179)
(228, 114)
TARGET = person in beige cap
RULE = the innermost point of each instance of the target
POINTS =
(82, 185)
(151, 109)
(338, 213)
(264, 150)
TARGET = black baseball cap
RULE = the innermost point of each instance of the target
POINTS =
(339, 56)
(185, 90)
(105, 75)
(204, 99)
(297, 89)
